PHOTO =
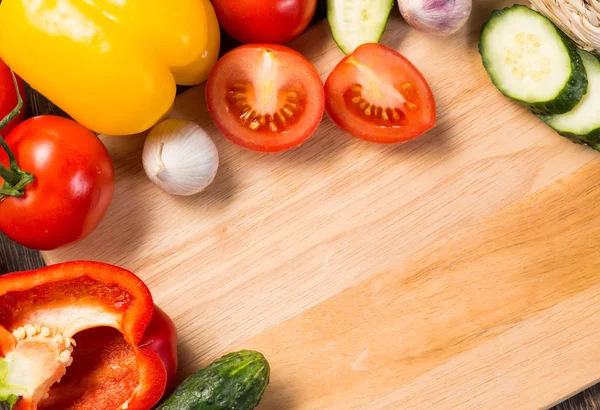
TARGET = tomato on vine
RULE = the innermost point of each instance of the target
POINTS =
(58, 181)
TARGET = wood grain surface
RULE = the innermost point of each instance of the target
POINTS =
(455, 271)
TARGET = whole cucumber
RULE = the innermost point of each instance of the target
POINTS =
(235, 381)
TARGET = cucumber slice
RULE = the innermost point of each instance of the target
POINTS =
(531, 61)
(355, 22)
(582, 124)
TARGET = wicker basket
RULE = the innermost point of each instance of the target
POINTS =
(579, 19)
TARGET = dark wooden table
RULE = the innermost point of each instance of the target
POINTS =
(16, 258)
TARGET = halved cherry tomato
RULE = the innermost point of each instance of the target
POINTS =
(264, 21)
(265, 97)
(378, 95)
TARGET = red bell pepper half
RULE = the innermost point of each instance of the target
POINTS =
(82, 336)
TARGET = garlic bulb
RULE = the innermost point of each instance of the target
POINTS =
(180, 157)
(441, 17)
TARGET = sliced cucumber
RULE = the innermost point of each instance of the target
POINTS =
(355, 22)
(582, 123)
(531, 61)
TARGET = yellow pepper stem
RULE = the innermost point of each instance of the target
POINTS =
(15, 179)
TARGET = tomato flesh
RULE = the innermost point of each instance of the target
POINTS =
(265, 98)
(282, 116)
(378, 95)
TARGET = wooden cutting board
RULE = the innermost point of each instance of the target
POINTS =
(459, 270)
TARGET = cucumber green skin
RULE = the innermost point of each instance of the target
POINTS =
(591, 139)
(577, 85)
(340, 42)
(235, 381)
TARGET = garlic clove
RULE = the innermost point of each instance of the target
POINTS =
(180, 158)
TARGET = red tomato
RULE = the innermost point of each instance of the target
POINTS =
(161, 338)
(8, 97)
(377, 94)
(265, 97)
(73, 187)
(264, 21)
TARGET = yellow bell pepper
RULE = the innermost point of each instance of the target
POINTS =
(112, 65)
(197, 72)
